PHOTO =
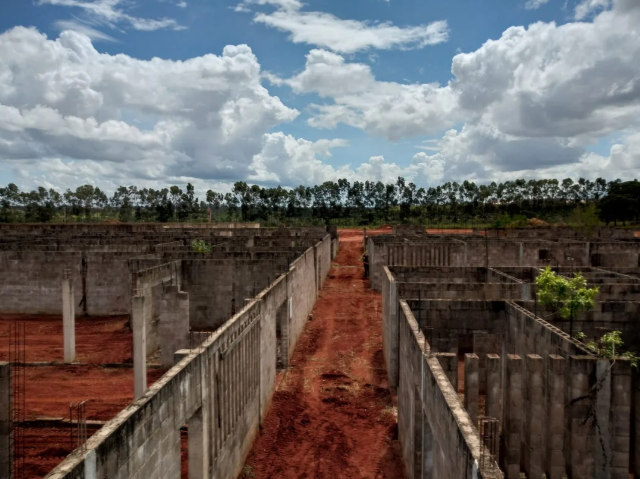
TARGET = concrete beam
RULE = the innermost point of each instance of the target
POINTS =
(68, 318)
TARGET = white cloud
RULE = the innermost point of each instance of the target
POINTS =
(107, 12)
(204, 117)
(388, 109)
(290, 161)
(534, 4)
(537, 97)
(344, 36)
(182, 4)
(81, 27)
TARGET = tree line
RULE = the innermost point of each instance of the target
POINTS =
(340, 202)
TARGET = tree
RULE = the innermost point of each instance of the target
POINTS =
(566, 296)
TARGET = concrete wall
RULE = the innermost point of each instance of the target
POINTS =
(31, 282)
(222, 390)
(436, 434)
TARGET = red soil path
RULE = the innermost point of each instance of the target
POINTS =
(98, 339)
(333, 415)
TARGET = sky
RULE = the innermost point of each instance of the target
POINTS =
(285, 92)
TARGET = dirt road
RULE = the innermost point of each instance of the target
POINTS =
(333, 415)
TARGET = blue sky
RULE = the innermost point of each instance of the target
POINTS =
(407, 106)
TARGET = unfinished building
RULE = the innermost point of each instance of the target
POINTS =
(489, 383)
(168, 356)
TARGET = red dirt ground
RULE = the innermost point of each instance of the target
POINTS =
(98, 339)
(49, 390)
(333, 415)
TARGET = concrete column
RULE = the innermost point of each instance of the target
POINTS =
(526, 292)
(555, 416)
(521, 254)
(449, 364)
(602, 441)
(471, 386)
(68, 317)
(513, 412)
(578, 446)
(173, 327)
(481, 346)
(534, 424)
(493, 402)
(198, 445)
(139, 345)
(6, 441)
(620, 417)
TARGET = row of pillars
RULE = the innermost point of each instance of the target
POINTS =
(531, 414)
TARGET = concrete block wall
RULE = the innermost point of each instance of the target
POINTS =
(222, 390)
(437, 436)
(31, 282)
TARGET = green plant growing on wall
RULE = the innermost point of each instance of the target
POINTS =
(201, 246)
(609, 346)
(567, 296)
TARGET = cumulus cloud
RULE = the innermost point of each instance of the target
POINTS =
(537, 97)
(534, 4)
(388, 109)
(204, 117)
(344, 36)
(111, 13)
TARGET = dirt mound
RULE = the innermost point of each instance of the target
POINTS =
(536, 223)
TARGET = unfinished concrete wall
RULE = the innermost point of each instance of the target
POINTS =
(151, 283)
(222, 390)
(31, 282)
(437, 436)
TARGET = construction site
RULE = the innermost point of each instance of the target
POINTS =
(125, 353)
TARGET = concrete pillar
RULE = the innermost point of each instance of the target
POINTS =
(493, 402)
(471, 386)
(555, 416)
(173, 327)
(6, 441)
(139, 345)
(534, 421)
(68, 317)
(198, 444)
(621, 418)
(513, 416)
(578, 446)
(521, 262)
(481, 346)
(602, 441)
(449, 364)
(526, 292)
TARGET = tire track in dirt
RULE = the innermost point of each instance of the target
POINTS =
(333, 415)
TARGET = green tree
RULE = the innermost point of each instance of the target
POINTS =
(566, 296)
